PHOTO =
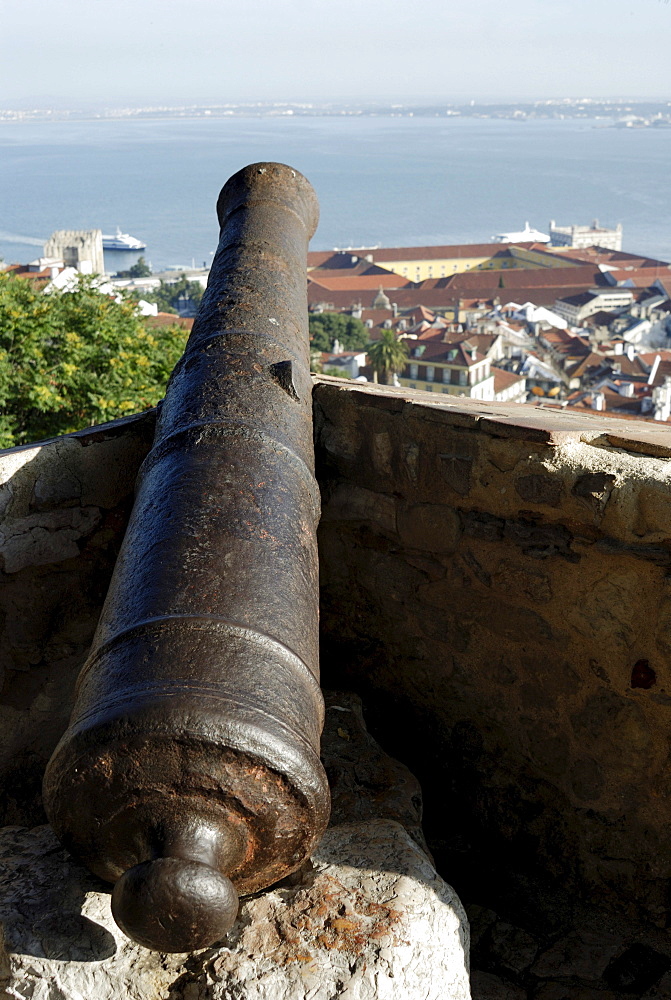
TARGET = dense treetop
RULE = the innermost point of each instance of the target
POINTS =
(76, 358)
(326, 328)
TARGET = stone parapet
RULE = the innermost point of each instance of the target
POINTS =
(496, 580)
(495, 583)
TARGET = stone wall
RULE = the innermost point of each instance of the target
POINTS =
(494, 585)
(64, 506)
(495, 582)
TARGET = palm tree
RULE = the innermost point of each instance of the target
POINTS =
(388, 356)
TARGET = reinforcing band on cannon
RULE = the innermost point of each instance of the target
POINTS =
(190, 771)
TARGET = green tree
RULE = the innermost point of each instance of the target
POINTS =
(71, 359)
(140, 269)
(388, 356)
(326, 328)
(167, 296)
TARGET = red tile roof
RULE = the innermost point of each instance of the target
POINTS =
(614, 402)
(600, 255)
(626, 366)
(24, 271)
(340, 270)
(649, 357)
(168, 319)
(585, 364)
(600, 318)
(438, 352)
(524, 277)
(358, 282)
(405, 298)
(504, 380)
(317, 258)
(377, 316)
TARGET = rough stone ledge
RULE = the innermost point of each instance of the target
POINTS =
(535, 423)
(367, 918)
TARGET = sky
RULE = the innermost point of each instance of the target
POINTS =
(80, 53)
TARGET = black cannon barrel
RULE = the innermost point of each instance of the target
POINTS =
(191, 768)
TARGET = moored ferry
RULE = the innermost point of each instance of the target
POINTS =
(122, 241)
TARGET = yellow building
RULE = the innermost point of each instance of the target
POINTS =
(454, 369)
(421, 263)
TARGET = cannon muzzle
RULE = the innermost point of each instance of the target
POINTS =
(190, 770)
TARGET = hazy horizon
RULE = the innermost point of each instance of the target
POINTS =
(47, 103)
(138, 53)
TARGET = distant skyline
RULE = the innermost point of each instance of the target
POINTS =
(85, 53)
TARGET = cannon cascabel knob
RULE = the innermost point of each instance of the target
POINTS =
(174, 905)
(190, 769)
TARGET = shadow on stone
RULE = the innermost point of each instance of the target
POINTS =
(635, 971)
(72, 937)
(47, 902)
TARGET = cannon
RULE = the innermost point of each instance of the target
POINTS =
(190, 770)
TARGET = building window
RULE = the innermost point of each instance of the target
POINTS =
(429, 388)
(446, 374)
(430, 373)
(444, 389)
(463, 378)
(413, 371)
(411, 385)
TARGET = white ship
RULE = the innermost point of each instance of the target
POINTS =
(526, 235)
(122, 241)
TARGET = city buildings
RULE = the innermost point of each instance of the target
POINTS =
(586, 236)
(578, 326)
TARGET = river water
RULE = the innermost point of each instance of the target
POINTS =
(380, 181)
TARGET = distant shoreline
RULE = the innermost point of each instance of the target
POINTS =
(623, 113)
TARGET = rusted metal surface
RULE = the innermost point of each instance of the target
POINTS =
(191, 761)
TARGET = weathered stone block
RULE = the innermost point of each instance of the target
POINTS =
(367, 917)
(513, 948)
(429, 527)
(485, 986)
(583, 955)
(41, 539)
(353, 503)
(539, 489)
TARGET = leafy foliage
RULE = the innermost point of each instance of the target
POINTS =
(168, 295)
(140, 269)
(326, 328)
(71, 359)
(388, 356)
